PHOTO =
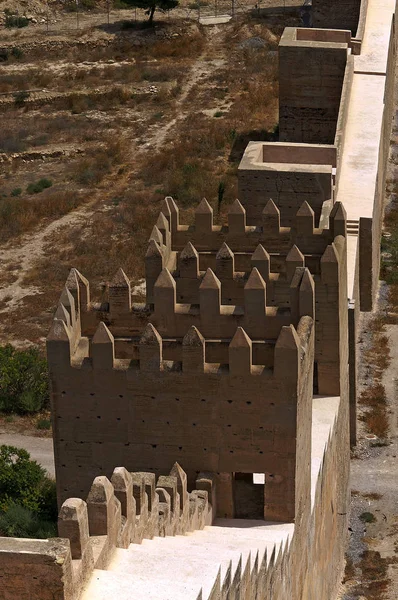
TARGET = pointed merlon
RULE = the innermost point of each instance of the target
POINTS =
(225, 262)
(271, 218)
(236, 208)
(240, 339)
(240, 353)
(67, 299)
(255, 300)
(165, 294)
(338, 220)
(260, 253)
(62, 314)
(305, 219)
(165, 280)
(271, 209)
(330, 266)
(73, 524)
(261, 260)
(120, 280)
(204, 208)
(103, 335)
(193, 337)
(174, 213)
(101, 506)
(165, 208)
(287, 354)
(307, 295)
(162, 223)
(103, 348)
(189, 262)
(72, 280)
(178, 472)
(295, 258)
(69, 302)
(236, 219)
(210, 281)
(193, 351)
(225, 253)
(255, 281)
(150, 349)
(203, 218)
(58, 345)
(305, 210)
(295, 255)
(209, 297)
(59, 332)
(156, 235)
(150, 336)
(153, 250)
(189, 252)
(79, 288)
(120, 293)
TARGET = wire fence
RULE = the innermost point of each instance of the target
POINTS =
(62, 17)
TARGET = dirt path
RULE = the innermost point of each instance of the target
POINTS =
(17, 260)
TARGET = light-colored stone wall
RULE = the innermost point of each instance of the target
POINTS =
(311, 76)
(120, 511)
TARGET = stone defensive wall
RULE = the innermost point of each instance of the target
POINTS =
(126, 509)
(303, 561)
(264, 256)
(128, 399)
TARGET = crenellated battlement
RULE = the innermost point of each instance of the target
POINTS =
(118, 511)
(232, 251)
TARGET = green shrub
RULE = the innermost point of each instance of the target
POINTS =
(17, 52)
(22, 481)
(23, 380)
(28, 502)
(367, 517)
(39, 186)
(15, 20)
(18, 521)
(21, 97)
(16, 192)
(43, 424)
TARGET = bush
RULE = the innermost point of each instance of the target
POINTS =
(21, 522)
(39, 186)
(16, 192)
(23, 380)
(21, 97)
(14, 20)
(43, 424)
(17, 52)
(28, 503)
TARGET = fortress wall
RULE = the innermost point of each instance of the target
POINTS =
(107, 412)
(371, 227)
(342, 14)
(311, 76)
(289, 184)
(120, 511)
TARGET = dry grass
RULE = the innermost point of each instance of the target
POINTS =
(373, 398)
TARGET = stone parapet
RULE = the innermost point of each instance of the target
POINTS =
(120, 511)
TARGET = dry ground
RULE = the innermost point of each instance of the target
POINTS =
(126, 117)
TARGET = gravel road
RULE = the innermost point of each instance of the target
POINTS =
(40, 449)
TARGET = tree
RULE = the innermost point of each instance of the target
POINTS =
(28, 504)
(23, 380)
(150, 6)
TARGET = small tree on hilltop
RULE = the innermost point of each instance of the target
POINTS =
(150, 6)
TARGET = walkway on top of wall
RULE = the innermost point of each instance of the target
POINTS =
(359, 162)
(179, 567)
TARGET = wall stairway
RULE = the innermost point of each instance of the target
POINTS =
(185, 566)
